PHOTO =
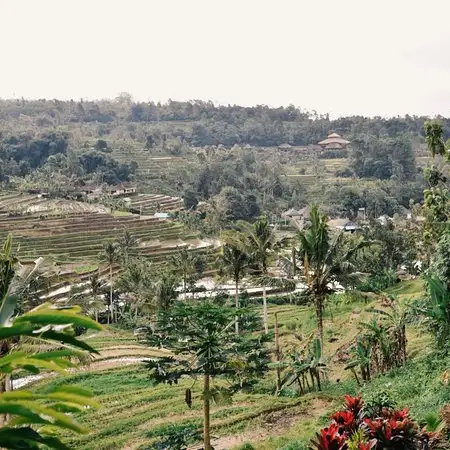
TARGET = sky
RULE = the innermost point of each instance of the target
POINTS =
(342, 57)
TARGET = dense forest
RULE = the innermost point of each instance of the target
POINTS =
(202, 123)
(243, 161)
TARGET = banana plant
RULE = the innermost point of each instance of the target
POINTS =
(361, 358)
(29, 419)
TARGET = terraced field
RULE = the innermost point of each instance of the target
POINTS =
(134, 412)
(149, 204)
(71, 235)
(80, 237)
(148, 164)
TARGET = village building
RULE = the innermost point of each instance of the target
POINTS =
(334, 142)
(122, 189)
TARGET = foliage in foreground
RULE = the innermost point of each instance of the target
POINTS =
(29, 419)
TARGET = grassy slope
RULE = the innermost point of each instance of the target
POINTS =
(133, 411)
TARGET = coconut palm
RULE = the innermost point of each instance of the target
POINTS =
(88, 297)
(110, 255)
(326, 259)
(138, 283)
(126, 242)
(259, 242)
(233, 263)
(187, 265)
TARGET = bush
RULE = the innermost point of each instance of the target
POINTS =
(247, 446)
(344, 173)
(357, 428)
(297, 445)
(379, 282)
(176, 437)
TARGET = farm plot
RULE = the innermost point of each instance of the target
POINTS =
(148, 204)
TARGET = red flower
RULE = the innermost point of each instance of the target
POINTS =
(329, 438)
(366, 445)
(400, 415)
(353, 404)
(345, 420)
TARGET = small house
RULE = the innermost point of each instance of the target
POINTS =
(121, 189)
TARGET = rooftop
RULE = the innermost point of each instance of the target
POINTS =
(334, 138)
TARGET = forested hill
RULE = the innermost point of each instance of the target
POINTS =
(200, 123)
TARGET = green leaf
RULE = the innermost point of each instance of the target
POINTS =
(57, 317)
(35, 413)
(7, 308)
(25, 438)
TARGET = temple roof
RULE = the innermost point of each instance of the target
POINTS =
(334, 138)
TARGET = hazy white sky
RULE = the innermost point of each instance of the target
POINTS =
(373, 57)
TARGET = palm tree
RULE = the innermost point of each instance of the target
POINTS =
(259, 242)
(138, 283)
(325, 259)
(187, 265)
(233, 263)
(87, 297)
(110, 255)
(126, 243)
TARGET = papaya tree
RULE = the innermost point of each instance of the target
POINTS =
(204, 343)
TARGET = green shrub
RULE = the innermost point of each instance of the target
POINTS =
(297, 445)
(176, 437)
(247, 446)
(379, 281)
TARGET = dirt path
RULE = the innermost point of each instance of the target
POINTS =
(275, 424)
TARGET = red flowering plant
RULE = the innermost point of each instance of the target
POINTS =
(330, 438)
(391, 429)
(353, 404)
(396, 434)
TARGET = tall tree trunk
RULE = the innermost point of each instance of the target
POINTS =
(313, 381)
(111, 307)
(300, 385)
(403, 334)
(306, 382)
(184, 287)
(266, 322)
(236, 302)
(356, 376)
(96, 316)
(206, 413)
(277, 353)
(317, 373)
(293, 262)
(319, 318)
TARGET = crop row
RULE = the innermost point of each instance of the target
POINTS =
(155, 406)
